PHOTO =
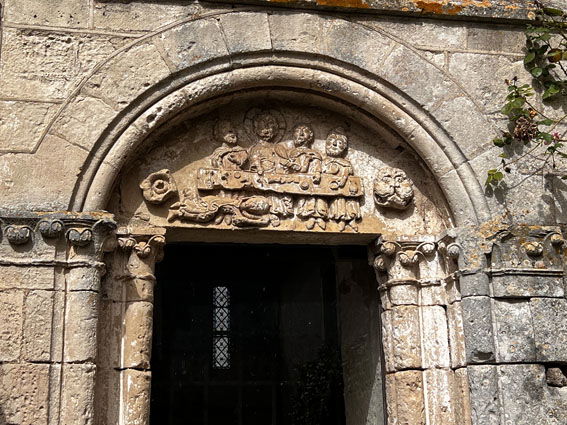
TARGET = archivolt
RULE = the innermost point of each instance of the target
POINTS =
(326, 70)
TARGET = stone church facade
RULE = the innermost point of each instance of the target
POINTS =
(127, 126)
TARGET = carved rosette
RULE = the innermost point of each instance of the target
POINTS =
(158, 187)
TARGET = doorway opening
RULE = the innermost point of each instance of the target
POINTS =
(266, 334)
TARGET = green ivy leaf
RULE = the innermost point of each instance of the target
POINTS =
(529, 57)
(499, 142)
(545, 136)
(537, 71)
(551, 91)
(546, 122)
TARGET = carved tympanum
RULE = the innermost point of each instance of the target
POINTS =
(269, 182)
(392, 188)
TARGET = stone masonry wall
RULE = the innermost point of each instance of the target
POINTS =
(511, 266)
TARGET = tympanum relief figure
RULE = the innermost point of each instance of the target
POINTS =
(392, 188)
(275, 181)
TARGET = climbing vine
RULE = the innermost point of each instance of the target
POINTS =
(532, 132)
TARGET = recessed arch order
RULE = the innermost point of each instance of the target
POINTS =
(231, 63)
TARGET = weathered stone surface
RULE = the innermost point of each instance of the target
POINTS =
(134, 71)
(424, 33)
(236, 29)
(439, 402)
(138, 16)
(11, 317)
(470, 69)
(405, 395)
(29, 72)
(16, 277)
(550, 324)
(496, 38)
(76, 124)
(24, 392)
(63, 13)
(191, 44)
(478, 329)
(517, 285)
(514, 331)
(485, 401)
(402, 348)
(81, 318)
(456, 335)
(77, 395)
(137, 336)
(83, 279)
(555, 377)
(435, 338)
(38, 331)
(461, 397)
(136, 388)
(22, 123)
(523, 393)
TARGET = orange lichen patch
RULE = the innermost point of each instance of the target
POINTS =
(445, 7)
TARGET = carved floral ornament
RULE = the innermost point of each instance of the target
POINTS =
(273, 180)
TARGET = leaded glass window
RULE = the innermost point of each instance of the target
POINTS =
(221, 327)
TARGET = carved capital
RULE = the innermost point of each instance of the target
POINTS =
(81, 230)
(143, 246)
(527, 247)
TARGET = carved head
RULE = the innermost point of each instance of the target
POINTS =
(392, 188)
(224, 132)
(336, 144)
(265, 126)
(303, 135)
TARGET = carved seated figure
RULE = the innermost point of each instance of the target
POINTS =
(345, 211)
(263, 156)
(302, 159)
(267, 157)
(229, 156)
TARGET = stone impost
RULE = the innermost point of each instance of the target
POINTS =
(422, 330)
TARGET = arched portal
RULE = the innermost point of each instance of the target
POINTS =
(161, 160)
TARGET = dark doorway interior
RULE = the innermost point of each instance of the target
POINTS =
(248, 334)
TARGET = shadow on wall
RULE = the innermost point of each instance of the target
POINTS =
(361, 343)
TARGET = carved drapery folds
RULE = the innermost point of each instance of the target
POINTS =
(274, 181)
